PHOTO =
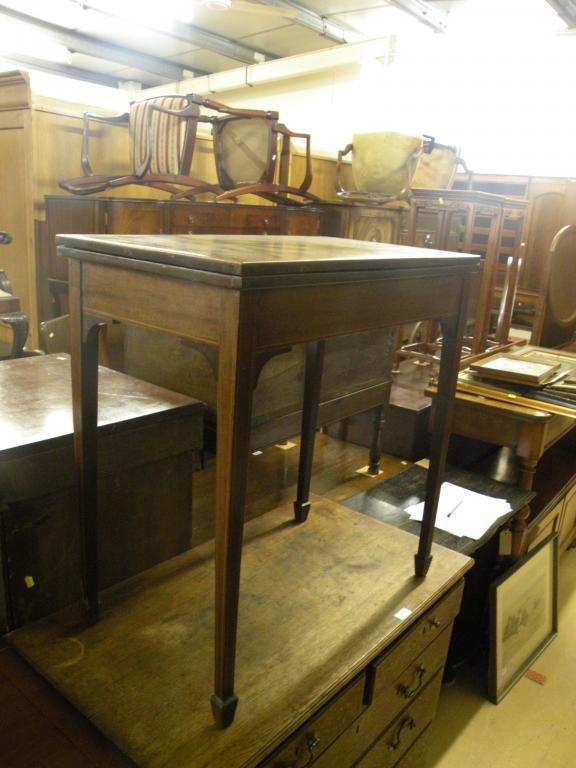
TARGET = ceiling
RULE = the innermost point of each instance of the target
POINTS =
(152, 43)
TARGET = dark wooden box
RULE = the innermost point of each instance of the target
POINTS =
(147, 438)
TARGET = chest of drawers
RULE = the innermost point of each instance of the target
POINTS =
(380, 719)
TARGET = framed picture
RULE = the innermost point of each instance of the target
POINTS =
(523, 616)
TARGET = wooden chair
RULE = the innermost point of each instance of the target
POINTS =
(436, 168)
(555, 321)
(383, 166)
(10, 310)
(246, 151)
(161, 148)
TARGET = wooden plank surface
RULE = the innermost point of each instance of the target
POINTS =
(317, 603)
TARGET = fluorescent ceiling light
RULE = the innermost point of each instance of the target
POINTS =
(486, 19)
(148, 12)
(70, 14)
(19, 38)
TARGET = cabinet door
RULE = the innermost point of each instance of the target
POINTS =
(130, 217)
(375, 226)
(69, 216)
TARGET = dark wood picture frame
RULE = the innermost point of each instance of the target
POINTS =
(523, 616)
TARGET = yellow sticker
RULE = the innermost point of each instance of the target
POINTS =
(29, 581)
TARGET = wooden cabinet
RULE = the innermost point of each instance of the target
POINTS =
(551, 205)
(378, 718)
(146, 445)
(94, 215)
(470, 221)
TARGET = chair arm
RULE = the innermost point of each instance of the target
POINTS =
(111, 119)
(287, 133)
(470, 173)
(341, 153)
(18, 322)
(218, 107)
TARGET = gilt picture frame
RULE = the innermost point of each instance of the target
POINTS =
(523, 616)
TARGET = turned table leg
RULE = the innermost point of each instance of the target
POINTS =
(520, 524)
(234, 409)
(312, 385)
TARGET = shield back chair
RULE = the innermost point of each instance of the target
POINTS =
(555, 322)
(161, 148)
(437, 168)
(383, 166)
(247, 145)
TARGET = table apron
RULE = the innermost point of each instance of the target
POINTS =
(283, 316)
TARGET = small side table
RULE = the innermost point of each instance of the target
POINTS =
(250, 298)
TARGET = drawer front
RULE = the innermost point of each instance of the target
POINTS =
(250, 221)
(405, 730)
(301, 223)
(318, 734)
(187, 220)
(569, 520)
(406, 686)
(382, 673)
(417, 755)
(550, 524)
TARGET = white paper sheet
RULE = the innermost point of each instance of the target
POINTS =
(463, 512)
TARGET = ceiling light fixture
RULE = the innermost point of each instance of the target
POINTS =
(217, 5)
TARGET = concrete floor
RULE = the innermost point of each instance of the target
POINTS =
(534, 726)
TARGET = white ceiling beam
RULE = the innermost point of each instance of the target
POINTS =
(566, 9)
(337, 31)
(291, 66)
(90, 46)
(424, 12)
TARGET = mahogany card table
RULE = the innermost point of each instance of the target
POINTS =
(250, 298)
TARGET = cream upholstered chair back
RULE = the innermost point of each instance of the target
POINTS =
(384, 161)
(436, 169)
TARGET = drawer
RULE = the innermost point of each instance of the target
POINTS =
(417, 755)
(569, 520)
(403, 687)
(316, 736)
(188, 220)
(550, 524)
(249, 221)
(405, 730)
(382, 673)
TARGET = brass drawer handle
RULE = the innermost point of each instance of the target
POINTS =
(407, 722)
(405, 691)
(266, 223)
(312, 741)
(434, 622)
(190, 219)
